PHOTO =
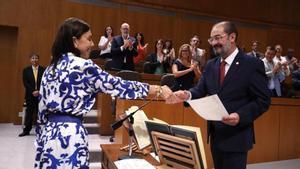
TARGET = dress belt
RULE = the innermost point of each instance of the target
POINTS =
(60, 117)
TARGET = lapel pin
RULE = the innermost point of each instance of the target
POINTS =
(237, 63)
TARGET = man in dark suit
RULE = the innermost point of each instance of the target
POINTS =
(32, 76)
(255, 52)
(123, 49)
(241, 84)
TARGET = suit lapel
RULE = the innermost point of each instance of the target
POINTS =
(232, 70)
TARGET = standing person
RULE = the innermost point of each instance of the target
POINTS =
(141, 48)
(123, 49)
(291, 59)
(68, 89)
(185, 70)
(32, 76)
(198, 55)
(240, 82)
(105, 43)
(274, 71)
(157, 61)
(255, 53)
(169, 51)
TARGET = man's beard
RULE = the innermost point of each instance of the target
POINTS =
(222, 50)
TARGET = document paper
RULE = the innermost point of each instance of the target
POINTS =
(209, 108)
(133, 164)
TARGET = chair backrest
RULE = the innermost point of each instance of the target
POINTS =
(147, 68)
(95, 54)
(168, 79)
(129, 75)
(108, 64)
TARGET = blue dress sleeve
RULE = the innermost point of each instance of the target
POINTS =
(101, 81)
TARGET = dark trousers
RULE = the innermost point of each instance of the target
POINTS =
(229, 160)
(273, 93)
(30, 113)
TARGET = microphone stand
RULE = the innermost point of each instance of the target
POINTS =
(119, 123)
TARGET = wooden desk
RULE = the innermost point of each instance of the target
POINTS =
(276, 131)
(111, 152)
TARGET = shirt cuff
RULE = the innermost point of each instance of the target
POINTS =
(190, 96)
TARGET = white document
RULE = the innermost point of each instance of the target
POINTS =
(133, 164)
(139, 127)
(209, 108)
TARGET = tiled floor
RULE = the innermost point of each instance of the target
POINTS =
(18, 152)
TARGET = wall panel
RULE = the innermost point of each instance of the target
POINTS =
(38, 20)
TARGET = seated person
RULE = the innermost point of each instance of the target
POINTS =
(185, 70)
(158, 63)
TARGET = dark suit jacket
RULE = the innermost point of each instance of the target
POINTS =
(244, 91)
(118, 55)
(29, 82)
(258, 54)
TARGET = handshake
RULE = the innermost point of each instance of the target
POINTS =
(169, 96)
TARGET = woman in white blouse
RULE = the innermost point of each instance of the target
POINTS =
(105, 43)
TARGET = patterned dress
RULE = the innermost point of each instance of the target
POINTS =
(71, 89)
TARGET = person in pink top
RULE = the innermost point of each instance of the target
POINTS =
(141, 48)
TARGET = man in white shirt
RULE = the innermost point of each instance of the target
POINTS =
(274, 72)
(198, 54)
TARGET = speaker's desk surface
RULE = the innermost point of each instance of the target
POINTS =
(111, 153)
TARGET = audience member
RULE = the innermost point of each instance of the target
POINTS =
(185, 70)
(123, 49)
(158, 61)
(105, 43)
(274, 72)
(198, 55)
(141, 48)
(32, 76)
(255, 53)
(296, 79)
(169, 51)
(291, 59)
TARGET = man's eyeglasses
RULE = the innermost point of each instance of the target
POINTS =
(216, 38)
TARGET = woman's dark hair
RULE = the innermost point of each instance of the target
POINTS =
(112, 31)
(171, 44)
(156, 42)
(142, 38)
(63, 43)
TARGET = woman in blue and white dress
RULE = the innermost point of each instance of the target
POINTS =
(68, 89)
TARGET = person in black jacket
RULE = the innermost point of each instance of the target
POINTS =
(123, 49)
(32, 76)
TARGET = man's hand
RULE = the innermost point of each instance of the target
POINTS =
(232, 119)
(166, 92)
(126, 43)
(178, 97)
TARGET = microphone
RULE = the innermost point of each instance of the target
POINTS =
(119, 123)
